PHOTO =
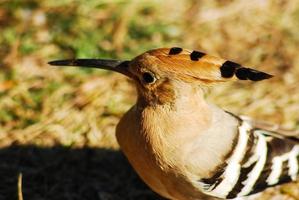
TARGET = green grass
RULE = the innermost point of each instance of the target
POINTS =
(44, 108)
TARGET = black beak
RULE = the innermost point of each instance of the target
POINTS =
(112, 65)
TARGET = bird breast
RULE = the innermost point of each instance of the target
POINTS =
(164, 148)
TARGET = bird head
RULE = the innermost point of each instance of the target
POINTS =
(162, 74)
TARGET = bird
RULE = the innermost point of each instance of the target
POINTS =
(185, 148)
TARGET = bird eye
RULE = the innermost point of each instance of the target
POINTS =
(148, 77)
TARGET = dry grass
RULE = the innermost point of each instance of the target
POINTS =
(57, 125)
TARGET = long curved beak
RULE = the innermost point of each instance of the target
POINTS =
(112, 65)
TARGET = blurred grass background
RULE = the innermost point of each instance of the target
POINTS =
(57, 124)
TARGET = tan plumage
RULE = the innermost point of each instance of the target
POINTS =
(185, 148)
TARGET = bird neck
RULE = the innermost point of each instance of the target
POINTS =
(188, 107)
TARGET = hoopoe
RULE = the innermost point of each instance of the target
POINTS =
(185, 148)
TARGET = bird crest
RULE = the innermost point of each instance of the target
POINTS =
(196, 65)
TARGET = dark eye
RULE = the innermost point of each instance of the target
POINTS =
(148, 77)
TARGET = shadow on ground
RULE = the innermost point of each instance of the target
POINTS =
(64, 173)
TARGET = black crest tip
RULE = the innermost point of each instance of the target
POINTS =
(175, 50)
(228, 69)
(196, 55)
(242, 73)
(255, 75)
(251, 74)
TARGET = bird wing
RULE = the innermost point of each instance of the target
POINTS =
(261, 158)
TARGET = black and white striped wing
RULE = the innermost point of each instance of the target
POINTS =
(260, 159)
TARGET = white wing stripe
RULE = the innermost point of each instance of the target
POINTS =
(293, 162)
(261, 152)
(276, 170)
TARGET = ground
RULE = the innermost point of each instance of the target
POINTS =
(57, 124)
